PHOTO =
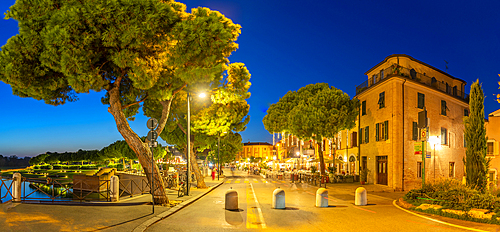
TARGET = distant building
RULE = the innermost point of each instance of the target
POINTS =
(397, 89)
(492, 126)
(256, 149)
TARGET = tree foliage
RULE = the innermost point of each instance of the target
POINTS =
(315, 111)
(139, 53)
(476, 163)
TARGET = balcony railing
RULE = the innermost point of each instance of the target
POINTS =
(412, 75)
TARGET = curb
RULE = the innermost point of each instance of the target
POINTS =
(142, 227)
(436, 220)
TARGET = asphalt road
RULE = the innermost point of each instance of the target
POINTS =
(255, 212)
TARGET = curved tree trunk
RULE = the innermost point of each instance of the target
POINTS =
(321, 158)
(141, 149)
(200, 180)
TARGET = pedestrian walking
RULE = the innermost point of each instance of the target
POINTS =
(213, 174)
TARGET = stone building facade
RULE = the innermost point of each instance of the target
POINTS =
(397, 89)
(492, 126)
(256, 149)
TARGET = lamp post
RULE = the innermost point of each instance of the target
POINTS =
(202, 95)
(188, 147)
(435, 140)
(218, 157)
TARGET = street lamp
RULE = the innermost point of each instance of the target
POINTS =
(202, 95)
(435, 140)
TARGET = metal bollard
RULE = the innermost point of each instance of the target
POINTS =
(115, 189)
(322, 197)
(278, 201)
(360, 196)
(16, 187)
(231, 199)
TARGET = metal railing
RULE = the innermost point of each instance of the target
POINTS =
(415, 76)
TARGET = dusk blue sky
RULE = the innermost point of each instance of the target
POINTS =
(286, 45)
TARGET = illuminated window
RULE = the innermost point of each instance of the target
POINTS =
(444, 137)
(452, 169)
(382, 131)
(489, 150)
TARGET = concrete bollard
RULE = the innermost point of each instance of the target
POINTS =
(16, 187)
(278, 201)
(115, 189)
(231, 199)
(322, 197)
(360, 197)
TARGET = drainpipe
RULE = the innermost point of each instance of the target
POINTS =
(403, 136)
(359, 140)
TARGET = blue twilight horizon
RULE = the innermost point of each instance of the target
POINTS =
(285, 47)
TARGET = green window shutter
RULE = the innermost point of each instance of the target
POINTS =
(367, 135)
(381, 100)
(421, 100)
(376, 131)
(361, 136)
(443, 107)
(415, 131)
(386, 125)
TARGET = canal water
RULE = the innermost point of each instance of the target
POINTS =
(26, 190)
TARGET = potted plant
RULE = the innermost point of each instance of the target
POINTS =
(363, 175)
(313, 169)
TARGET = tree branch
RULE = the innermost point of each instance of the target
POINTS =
(166, 110)
(131, 104)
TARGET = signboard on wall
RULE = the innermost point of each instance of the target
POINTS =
(417, 147)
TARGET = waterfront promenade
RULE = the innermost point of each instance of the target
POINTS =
(130, 214)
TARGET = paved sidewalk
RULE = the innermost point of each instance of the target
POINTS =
(130, 214)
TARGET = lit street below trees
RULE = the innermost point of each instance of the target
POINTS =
(255, 212)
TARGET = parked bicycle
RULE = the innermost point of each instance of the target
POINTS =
(171, 181)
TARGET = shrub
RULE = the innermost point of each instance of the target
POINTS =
(46, 166)
(452, 194)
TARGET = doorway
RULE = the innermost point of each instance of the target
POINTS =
(382, 170)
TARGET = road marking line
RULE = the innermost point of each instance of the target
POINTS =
(274, 181)
(364, 209)
(237, 182)
(435, 220)
(262, 223)
(227, 182)
(246, 181)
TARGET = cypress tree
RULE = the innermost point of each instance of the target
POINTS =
(476, 164)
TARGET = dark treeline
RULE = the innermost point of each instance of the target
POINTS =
(116, 150)
(14, 161)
